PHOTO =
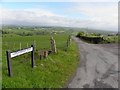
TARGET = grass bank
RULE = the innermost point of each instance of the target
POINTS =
(98, 38)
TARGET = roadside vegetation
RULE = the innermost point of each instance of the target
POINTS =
(51, 72)
(98, 38)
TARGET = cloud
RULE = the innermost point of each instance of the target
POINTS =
(101, 16)
(28, 16)
(37, 17)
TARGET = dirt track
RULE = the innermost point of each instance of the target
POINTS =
(98, 66)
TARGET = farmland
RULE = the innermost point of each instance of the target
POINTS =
(51, 72)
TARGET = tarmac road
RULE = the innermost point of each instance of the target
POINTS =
(98, 66)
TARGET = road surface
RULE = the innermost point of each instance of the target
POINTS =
(98, 66)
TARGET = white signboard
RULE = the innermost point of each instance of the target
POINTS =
(14, 54)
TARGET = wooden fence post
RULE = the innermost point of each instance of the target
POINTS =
(27, 44)
(45, 54)
(53, 45)
(32, 57)
(69, 41)
(20, 45)
(9, 63)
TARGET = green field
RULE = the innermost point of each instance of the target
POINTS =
(52, 72)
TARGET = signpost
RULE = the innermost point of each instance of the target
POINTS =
(17, 53)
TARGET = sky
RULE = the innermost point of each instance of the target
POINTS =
(96, 15)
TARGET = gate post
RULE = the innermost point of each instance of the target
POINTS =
(32, 57)
(9, 63)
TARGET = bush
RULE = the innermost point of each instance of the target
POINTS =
(80, 34)
(92, 38)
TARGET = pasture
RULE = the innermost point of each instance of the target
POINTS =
(51, 72)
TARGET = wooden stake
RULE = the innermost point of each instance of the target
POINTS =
(69, 41)
(27, 44)
(53, 45)
(32, 57)
(20, 45)
(9, 64)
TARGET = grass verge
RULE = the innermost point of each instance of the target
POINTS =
(52, 72)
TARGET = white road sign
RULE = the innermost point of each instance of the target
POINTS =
(17, 53)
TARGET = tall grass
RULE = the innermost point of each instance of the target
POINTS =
(52, 72)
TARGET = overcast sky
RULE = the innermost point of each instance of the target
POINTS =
(98, 15)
